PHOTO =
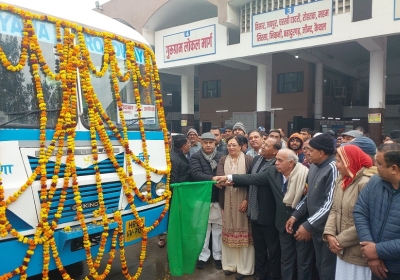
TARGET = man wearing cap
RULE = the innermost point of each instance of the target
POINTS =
(317, 203)
(295, 143)
(366, 145)
(351, 135)
(239, 129)
(195, 145)
(203, 165)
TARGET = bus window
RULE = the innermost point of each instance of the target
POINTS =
(103, 88)
(18, 96)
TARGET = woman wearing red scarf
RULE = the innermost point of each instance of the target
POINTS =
(355, 169)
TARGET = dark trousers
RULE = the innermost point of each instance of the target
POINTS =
(326, 260)
(390, 276)
(267, 251)
(291, 248)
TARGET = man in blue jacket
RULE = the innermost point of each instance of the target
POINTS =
(377, 215)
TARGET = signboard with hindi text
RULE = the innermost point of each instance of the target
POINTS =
(130, 113)
(190, 43)
(292, 23)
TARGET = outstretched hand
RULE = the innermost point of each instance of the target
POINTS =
(220, 181)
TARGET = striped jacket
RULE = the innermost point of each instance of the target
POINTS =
(318, 201)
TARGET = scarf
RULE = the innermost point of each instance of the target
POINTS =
(252, 209)
(210, 158)
(296, 185)
(234, 220)
(354, 159)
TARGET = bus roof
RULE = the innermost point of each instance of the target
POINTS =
(83, 17)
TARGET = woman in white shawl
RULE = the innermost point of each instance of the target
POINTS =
(237, 242)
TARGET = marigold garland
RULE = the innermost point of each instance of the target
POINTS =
(71, 58)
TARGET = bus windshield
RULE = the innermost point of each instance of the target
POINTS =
(104, 89)
(18, 96)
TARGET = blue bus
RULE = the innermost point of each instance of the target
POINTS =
(84, 156)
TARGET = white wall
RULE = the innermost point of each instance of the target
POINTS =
(381, 23)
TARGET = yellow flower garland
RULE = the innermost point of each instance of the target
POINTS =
(73, 57)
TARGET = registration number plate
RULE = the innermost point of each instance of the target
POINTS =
(132, 230)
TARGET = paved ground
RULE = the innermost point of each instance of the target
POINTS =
(155, 266)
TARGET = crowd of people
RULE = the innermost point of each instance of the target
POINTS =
(311, 206)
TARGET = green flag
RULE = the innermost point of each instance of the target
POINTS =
(187, 226)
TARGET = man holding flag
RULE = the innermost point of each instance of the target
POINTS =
(203, 166)
(186, 234)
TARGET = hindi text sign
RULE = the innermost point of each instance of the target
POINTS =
(292, 23)
(190, 43)
(130, 112)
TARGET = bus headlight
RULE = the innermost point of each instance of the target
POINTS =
(143, 190)
(160, 188)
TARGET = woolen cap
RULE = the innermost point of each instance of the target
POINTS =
(365, 144)
(240, 126)
(208, 135)
(323, 142)
(192, 130)
(353, 133)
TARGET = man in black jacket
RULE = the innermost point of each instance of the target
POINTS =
(179, 161)
(203, 165)
(318, 202)
(262, 211)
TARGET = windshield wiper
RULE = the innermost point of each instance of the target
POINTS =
(131, 122)
(24, 114)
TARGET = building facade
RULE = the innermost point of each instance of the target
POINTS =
(320, 64)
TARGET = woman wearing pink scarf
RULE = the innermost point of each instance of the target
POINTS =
(355, 169)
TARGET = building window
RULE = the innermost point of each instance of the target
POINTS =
(290, 82)
(212, 89)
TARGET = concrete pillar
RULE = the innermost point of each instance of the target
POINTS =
(377, 90)
(187, 99)
(264, 90)
(319, 94)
